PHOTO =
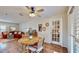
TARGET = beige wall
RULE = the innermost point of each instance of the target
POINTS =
(65, 30)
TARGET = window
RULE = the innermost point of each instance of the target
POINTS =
(76, 24)
(76, 30)
(12, 28)
(2, 28)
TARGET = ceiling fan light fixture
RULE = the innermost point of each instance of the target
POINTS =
(32, 15)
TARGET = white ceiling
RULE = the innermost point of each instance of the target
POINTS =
(11, 13)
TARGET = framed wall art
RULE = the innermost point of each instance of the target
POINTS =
(47, 24)
(40, 27)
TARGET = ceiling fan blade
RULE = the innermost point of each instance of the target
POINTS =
(27, 7)
(41, 10)
(39, 15)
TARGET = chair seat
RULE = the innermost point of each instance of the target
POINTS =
(35, 49)
(39, 49)
(32, 48)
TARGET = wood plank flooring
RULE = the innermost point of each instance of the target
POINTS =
(14, 47)
(51, 48)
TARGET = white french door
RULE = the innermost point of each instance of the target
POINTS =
(56, 31)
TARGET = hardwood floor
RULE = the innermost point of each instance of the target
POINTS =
(14, 47)
(51, 48)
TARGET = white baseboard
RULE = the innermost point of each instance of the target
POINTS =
(58, 43)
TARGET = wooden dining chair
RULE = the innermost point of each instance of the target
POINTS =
(39, 47)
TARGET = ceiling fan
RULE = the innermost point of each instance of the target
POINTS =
(34, 11)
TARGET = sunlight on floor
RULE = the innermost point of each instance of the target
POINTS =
(3, 45)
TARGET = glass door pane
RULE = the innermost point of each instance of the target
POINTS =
(55, 31)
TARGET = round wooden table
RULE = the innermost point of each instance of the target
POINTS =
(27, 42)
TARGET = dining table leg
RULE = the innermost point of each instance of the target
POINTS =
(22, 48)
(25, 49)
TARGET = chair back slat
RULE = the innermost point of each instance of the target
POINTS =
(41, 42)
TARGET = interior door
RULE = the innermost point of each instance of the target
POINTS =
(56, 31)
